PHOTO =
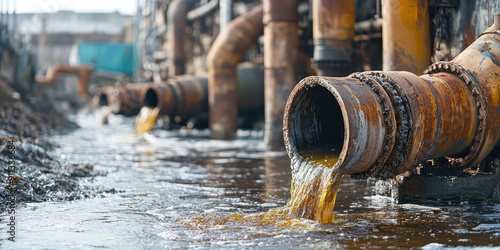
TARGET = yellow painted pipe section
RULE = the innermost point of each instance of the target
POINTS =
(405, 35)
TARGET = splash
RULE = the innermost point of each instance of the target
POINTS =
(315, 183)
(106, 111)
(146, 119)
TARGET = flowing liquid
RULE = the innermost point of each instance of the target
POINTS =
(146, 119)
(105, 111)
(315, 182)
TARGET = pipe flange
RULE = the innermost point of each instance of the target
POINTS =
(389, 140)
(473, 86)
(403, 133)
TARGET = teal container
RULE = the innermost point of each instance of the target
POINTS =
(108, 57)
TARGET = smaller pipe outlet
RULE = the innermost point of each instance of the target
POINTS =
(125, 100)
(186, 96)
(182, 96)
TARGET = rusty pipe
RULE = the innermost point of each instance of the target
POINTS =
(280, 63)
(184, 97)
(406, 42)
(82, 72)
(383, 123)
(176, 28)
(125, 100)
(333, 33)
(225, 53)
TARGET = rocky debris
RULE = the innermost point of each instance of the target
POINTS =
(29, 173)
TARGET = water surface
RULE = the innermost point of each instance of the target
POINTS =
(179, 189)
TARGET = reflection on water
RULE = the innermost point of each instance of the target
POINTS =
(174, 190)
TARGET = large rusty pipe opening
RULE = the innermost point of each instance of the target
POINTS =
(317, 119)
(396, 120)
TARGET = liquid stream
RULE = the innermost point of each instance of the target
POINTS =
(315, 179)
(146, 119)
(315, 183)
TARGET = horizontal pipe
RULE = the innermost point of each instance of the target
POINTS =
(383, 123)
(82, 72)
(124, 100)
(368, 26)
(222, 59)
(184, 97)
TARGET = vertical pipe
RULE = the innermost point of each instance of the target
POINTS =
(222, 59)
(333, 33)
(280, 60)
(226, 9)
(176, 27)
(405, 38)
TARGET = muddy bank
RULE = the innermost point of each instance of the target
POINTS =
(29, 172)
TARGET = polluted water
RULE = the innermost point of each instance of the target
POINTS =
(315, 179)
(146, 119)
(184, 190)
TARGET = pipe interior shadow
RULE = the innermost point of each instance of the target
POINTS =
(318, 120)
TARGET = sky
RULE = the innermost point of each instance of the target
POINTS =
(39, 6)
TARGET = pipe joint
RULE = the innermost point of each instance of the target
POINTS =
(475, 89)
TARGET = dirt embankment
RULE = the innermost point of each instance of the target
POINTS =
(29, 171)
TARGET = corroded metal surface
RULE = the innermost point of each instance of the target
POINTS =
(125, 100)
(176, 26)
(333, 32)
(224, 55)
(82, 72)
(183, 96)
(405, 36)
(280, 62)
(450, 111)
(186, 96)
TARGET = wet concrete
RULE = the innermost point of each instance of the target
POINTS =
(178, 189)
